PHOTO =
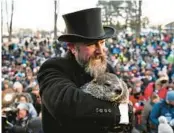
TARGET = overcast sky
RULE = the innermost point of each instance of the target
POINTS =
(38, 14)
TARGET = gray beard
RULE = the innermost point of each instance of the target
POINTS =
(96, 70)
(93, 69)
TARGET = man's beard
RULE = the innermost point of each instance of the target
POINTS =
(95, 66)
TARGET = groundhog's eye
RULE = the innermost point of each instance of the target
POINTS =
(107, 83)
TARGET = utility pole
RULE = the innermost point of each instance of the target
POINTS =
(6, 5)
(2, 21)
(55, 19)
(139, 17)
(11, 21)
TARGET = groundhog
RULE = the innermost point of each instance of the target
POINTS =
(108, 87)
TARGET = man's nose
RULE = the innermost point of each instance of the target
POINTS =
(99, 48)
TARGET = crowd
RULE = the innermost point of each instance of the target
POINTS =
(145, 63)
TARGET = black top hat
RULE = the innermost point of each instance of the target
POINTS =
(85, 26)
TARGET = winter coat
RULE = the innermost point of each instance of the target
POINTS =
(146, 123)
(34, 126)
(20, 125)
(65, 108)
(150, 89)
(161, 109)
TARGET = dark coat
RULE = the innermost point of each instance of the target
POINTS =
(65, 108)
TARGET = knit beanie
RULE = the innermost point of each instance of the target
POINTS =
(23, 106)
(164, 127)
(170, 95)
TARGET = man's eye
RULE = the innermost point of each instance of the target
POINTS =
(91, 44)
(103, 42)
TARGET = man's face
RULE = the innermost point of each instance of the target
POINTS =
(22, 113)
(92, 56)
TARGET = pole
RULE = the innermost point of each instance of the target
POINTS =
(2, 21)
(139, 17)
(55, 19)
(11, 21)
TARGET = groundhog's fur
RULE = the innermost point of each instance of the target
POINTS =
(108, 87)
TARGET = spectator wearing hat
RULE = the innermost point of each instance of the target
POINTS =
(163, 108)
(26, 98)
(159, 87)
(22, 118)
(164, 127)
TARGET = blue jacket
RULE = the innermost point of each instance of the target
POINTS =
(161, 109)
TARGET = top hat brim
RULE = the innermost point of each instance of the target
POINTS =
(109, 32)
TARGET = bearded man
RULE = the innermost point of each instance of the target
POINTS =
(65, 107)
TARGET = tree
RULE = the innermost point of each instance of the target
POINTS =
(11, 21)
(55, 18)
(159, 27)
(145, 22)
(10, 27)
(2, 21)
(112, 10)
(138, 29)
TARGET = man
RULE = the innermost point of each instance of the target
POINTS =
(65, 108)
(164, 108)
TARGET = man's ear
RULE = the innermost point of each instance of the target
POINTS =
(94, 81)
(71, 47)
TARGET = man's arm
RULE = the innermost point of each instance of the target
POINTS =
(62, 97)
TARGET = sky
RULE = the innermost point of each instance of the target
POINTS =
(39, 14)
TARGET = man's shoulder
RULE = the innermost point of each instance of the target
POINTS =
(56, 62)
(161, 103)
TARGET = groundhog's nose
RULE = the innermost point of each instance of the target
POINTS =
(118, 91)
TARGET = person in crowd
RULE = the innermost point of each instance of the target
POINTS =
(64, 106)
(159, 87)
(164, 127)
(26, 98)
(18, 125)
(146, 123)
(163, 108)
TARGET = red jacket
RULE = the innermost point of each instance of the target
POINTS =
(150, 89)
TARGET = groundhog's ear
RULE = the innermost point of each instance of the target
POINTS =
(94, 81)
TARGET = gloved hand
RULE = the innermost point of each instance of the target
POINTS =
(124, 111)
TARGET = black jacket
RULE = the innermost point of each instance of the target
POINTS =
(65, 108)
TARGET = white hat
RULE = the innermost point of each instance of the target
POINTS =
(23, 106)
(164, 127)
